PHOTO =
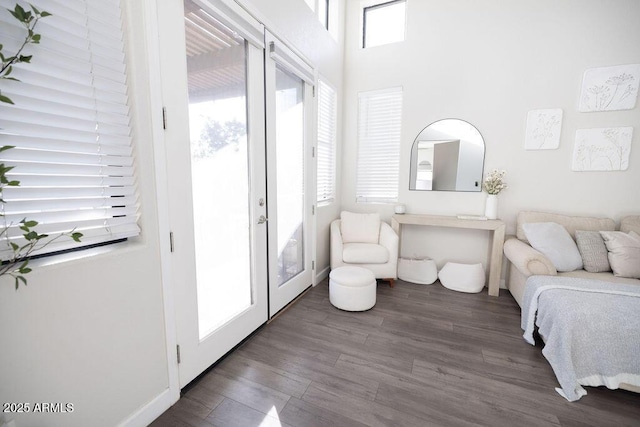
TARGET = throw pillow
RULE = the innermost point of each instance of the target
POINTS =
(593, 251)
(360, 227)
(624, 253)
(554, 241)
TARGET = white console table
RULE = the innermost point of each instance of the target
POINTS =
(496, 226)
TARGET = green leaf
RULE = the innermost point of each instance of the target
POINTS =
(25, 58)
(13, 183)
(76, 236)
(41, 236)
(30, 223)
(25, 270)
(6, 147)
(15, 246)
(36, 11)
(45, 14)
(20, 12)
(31, 235)
(35, 38)
(23, 280)
(5, 99)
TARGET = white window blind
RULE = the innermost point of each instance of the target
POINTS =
(379, 126)
(69, 125)
(326, 156)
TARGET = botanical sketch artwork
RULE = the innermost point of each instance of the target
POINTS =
(604, 149)
(543, 129)
(610, 88)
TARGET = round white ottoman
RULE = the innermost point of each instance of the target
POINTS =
(462, 277)
(352, 288)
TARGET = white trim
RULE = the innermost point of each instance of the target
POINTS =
(280, 52)
(235, 16)
(149, 412)
(268, 25)
(160, 160)
(322, 275)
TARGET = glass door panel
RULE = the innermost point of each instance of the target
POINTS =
(290, 174)
(216, 67)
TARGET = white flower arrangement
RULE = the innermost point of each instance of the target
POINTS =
(494, 182)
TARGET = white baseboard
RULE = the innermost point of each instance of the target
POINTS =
(323, 274)
(149, 412)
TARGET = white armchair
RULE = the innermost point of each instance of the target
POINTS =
(363, 240)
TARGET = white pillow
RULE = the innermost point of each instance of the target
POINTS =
(554, 241)
(624, 253)
(359, 228)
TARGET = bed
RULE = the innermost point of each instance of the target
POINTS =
(591, 331)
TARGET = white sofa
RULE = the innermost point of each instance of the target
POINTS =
(364, 240)
(525, 261)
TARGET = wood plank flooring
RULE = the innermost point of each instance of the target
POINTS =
(423, 356)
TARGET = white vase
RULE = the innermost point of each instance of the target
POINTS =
(491, 206)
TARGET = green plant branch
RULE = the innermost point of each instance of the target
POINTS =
(17, 265)
(29, 19)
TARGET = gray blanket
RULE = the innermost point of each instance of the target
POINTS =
(591, 331)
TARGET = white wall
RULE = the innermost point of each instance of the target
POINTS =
(293, 21)
(489, 63)
(90, 331)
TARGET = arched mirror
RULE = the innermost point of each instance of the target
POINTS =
(448, 155)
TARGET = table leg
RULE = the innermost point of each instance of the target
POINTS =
(495, 260)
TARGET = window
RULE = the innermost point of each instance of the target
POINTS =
(379, 125)
(383, 23)
(70, 128)
(327, 123)
(321, 8)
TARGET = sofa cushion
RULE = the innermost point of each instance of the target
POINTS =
(593, 251)
(554, 241)
(624, 253)
(630, 223)
(359, 227)
(570, 223)
(364, 253)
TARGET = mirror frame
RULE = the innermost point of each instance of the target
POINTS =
(413, 169)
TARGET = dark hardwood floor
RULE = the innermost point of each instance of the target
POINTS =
(423, 356)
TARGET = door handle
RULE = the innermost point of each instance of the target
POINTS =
(262, 219)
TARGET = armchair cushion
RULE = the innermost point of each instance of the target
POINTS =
(364, 253)
(360, 228)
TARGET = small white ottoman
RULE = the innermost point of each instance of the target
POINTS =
(462, 277)
(352, 288)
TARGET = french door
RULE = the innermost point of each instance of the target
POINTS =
(215, 145)
(289, 122)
